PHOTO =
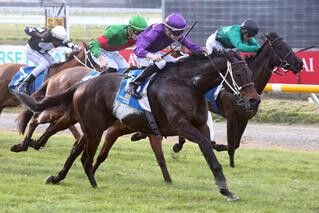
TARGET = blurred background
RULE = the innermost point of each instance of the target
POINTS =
(295, 20)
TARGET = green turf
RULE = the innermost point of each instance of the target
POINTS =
(267, 180)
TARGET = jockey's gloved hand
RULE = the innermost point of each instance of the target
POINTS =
(29, 30)
(154, 57)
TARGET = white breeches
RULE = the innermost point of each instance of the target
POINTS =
(212, 44)
(43, 61)
(210, 124)
(114, 60)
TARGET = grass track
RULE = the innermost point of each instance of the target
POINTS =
(270, 180)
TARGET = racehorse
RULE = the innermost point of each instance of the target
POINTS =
(177, 102)
(60, 118)
(275, 52)
(7, 71)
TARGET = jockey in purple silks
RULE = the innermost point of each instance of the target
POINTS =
(154, 39)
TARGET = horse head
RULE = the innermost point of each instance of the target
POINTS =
(240, 77)
(284, 56)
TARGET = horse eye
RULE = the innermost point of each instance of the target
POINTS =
(279, 47)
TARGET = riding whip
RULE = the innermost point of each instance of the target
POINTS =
(179, 42)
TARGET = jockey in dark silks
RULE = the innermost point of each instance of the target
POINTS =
(37, 50)
(240, 37)
(114, 38)
(154, 39)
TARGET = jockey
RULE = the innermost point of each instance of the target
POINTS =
(116, 37)
(41, 42)
(154, 39)
(235, 36)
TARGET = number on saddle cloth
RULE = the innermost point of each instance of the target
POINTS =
(22, 74)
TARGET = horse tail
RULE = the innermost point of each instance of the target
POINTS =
(47, 102)
(23, 119)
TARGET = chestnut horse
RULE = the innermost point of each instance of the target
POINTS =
(60, 117)
(7, 71)
(177, 101)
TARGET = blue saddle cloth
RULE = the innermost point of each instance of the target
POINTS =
(210, 97)
(126, 98)
(19, 77)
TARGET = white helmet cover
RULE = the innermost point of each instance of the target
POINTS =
(59, 32)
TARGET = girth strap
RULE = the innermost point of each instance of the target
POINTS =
(152, 123)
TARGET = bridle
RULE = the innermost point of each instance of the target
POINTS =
(87, 60)
(234, 87)
(283, 62)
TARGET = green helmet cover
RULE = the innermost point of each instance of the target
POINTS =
(138, 23)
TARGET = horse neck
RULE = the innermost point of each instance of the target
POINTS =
(206, 77)
(262, 66)
(68, 64)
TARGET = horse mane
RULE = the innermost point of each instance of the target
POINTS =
(71, 55)
(269, 36)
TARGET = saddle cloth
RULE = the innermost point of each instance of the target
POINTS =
(211, 96)
(19, 77)
(125, 98)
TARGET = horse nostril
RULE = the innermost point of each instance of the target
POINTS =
(254, 102)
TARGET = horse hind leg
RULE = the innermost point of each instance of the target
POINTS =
(76, 150)
(75, 132)
(156, 144)
(61, 124)
(179, 146)
(23, 146)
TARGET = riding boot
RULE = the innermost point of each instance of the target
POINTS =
(145, 74)
(23, 88)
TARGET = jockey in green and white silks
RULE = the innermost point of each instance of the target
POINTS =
(240, 37)
(116, 37)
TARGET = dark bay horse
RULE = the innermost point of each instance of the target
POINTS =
(177, 101)
(275, 52)
(7, 71)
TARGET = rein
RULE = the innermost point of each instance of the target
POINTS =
(86, 60)
(235, 87)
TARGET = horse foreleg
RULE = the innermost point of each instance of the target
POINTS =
(156, 144)
(113, 133)
(237, 133)
(77, 148)
(201, 137)
(75, 132)
(27, 140)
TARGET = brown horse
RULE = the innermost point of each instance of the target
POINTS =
(275, 52)
(7, 71)
(60, 117)
(177, 101)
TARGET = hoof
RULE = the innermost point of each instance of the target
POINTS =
(51, 180)
(176, 148)
(230, 196)
(17, 148)
(138, 136)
